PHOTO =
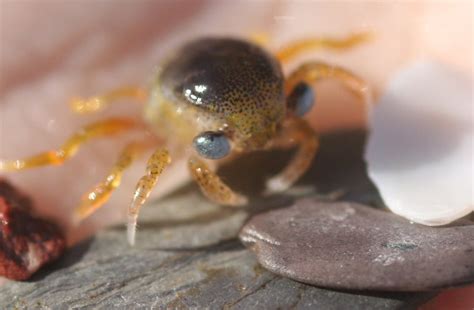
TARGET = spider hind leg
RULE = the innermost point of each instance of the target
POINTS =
(98, 103)
(296, 48)
(104, 128)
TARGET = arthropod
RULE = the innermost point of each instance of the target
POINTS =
(212, 99)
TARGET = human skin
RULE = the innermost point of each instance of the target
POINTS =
(51, 51)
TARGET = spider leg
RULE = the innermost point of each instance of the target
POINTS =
(295, 131)
(104, 128)
(212, 186)
(312, 72)
(97, 103)
(296, 48)
(100, 193)
(155, 166)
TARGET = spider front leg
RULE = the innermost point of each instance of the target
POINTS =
(155, 166)
(212, 186)
(294, 131)
(100, 194)
(104, 128)
(97, 103)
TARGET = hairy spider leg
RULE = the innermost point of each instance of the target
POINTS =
(97, 103)
(212, 186)
(296, 48)
(155, 166)
(299, 131)
(100, 194)
(108, 127)
(312, 72)
(295, 131)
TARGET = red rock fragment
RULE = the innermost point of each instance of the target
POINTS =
(26, 242)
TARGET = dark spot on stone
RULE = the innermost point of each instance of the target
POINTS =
(400, 246)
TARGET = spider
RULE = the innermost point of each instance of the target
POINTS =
(211, 99)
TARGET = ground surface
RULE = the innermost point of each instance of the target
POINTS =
(188, 255)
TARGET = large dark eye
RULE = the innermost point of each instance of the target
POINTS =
(212, 145)
(301, 99)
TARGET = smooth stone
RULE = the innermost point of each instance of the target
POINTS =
(187, 256)
(350, 246)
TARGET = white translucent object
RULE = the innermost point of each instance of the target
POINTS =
(420, 150)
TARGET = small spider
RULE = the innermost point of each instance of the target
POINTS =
(213, 98)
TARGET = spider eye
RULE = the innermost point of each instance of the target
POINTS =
(212, 145)
(301, 99)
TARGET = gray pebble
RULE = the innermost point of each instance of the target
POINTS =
(350, 246)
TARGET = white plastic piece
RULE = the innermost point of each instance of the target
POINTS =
(420, 151)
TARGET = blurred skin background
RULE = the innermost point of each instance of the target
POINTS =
(51, 51)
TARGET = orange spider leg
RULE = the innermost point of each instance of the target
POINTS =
(212, 186)
(102, 128)
(296, 48)
(97, 103)
(155, 166)
(312, 72)
(100, 194)
(298, 131)
(295, 131)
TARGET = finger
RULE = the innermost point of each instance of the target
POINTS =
(83, 51)
(83, 56)
(404, 32)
